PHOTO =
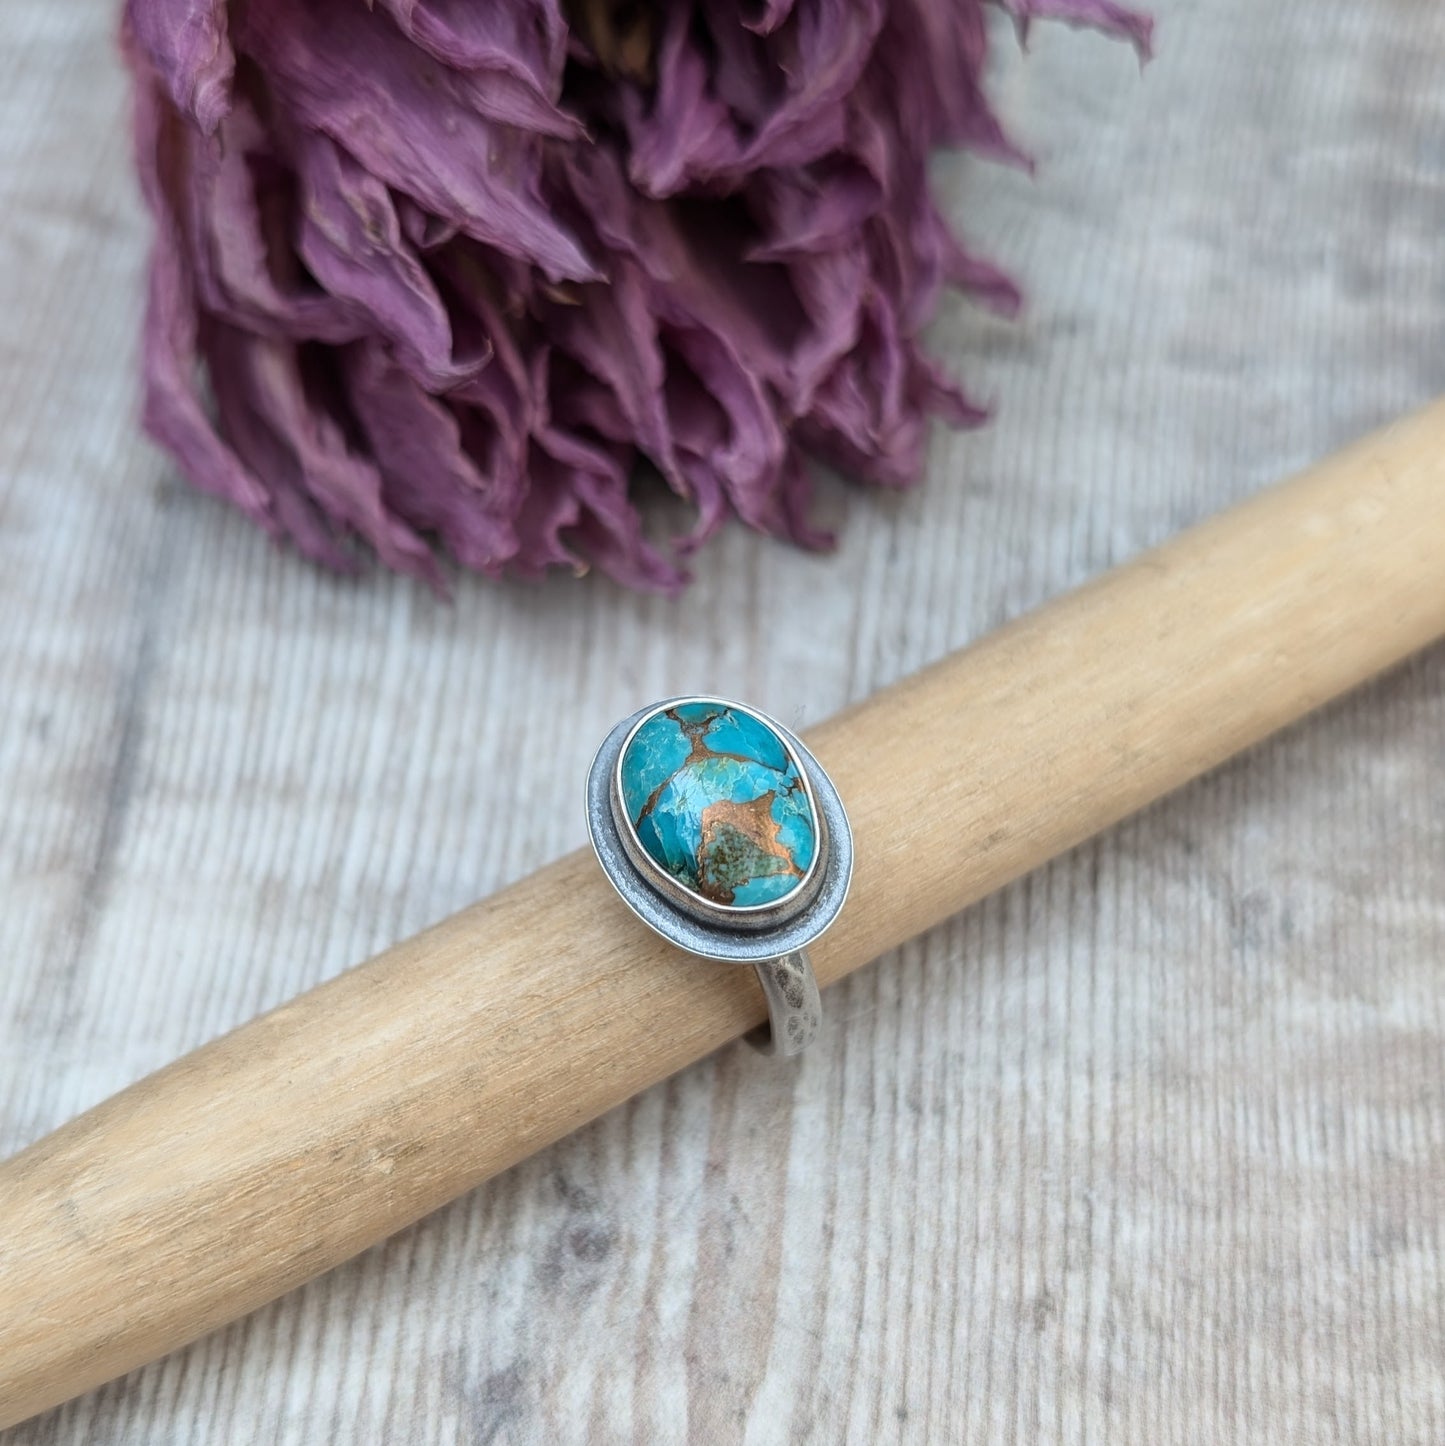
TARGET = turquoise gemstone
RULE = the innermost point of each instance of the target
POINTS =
(716, 800)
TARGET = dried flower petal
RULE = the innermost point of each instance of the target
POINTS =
(458, 275)
(185, 44)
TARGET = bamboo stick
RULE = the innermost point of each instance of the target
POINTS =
(300, 1139)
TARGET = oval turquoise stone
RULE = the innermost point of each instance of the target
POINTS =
(716, 800)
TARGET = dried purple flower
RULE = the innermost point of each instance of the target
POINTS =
(458, 273)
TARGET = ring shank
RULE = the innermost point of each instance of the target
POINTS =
(794, 1009)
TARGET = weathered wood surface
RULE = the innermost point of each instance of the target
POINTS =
(1149, 1148)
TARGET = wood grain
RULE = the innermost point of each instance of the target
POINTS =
(1149, 1148)
(301, 1138)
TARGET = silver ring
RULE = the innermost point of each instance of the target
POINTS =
(722, 833)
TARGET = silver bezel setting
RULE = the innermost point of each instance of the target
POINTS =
(744, 934)
(733, 916)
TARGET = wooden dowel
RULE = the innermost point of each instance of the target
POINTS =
(302, 1138)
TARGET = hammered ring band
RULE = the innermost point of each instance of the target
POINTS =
(723, 834)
